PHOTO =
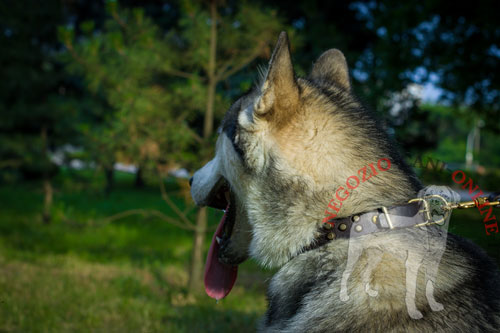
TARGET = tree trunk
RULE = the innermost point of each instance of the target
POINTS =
(109, 172)
(139, 180)
(195, 283)
(47, 200)
(195, 271)
(209, 113)
(47, 185)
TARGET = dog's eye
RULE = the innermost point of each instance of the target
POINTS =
(234, 140)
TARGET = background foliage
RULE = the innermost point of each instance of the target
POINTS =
(89, 85)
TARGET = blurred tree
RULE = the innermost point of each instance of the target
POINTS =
(236, 36)
(36, 114)
(159, 86)
(454, 45)
(390, 44)
(126, 64)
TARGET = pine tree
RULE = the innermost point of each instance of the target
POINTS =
(161, 85)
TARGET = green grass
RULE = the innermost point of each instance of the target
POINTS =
(65, 293)
(81, 274)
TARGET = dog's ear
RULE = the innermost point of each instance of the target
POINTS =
(332, 66)
(279, 92)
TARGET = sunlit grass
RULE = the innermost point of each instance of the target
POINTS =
(65, 293)
(83, 274)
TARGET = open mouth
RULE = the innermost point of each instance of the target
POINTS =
(219, 276)
(222, 198)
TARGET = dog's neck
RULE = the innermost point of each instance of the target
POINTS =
(292, 222)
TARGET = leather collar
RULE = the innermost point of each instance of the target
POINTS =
(384, 218)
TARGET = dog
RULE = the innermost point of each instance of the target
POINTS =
(282, 152)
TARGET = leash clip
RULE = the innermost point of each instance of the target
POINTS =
(478, 202)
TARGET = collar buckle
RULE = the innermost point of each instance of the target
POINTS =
(387, 220)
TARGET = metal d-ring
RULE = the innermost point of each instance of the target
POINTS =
(427, 212)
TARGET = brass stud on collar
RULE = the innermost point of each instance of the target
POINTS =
(358, 228)
(327, 225)
(374, 219)
(342, 227)
(331, 235)
(355, 218)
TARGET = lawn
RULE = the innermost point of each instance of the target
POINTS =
(82, 274)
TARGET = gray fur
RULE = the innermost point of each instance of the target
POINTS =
(284, 156)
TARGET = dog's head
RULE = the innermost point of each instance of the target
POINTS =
(283, 150)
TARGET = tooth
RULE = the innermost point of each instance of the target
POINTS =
(218, 239)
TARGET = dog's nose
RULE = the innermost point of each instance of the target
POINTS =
(190, 181)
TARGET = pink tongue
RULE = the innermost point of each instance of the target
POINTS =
(219, 277)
